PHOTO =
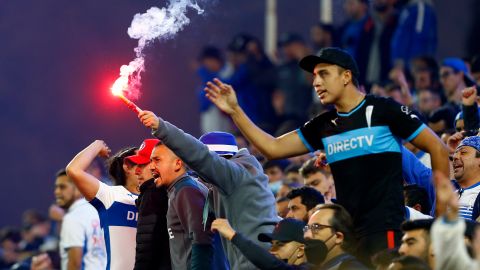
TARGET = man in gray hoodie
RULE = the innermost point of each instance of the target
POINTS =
(241, 192)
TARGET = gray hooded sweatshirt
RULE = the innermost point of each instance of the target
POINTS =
(242, 188)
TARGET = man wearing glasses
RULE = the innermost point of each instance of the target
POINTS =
(329, 239)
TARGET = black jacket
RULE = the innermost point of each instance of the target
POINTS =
(152, 251)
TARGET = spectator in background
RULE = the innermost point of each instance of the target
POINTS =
(318, 178)
(9, 249)
(454, 77)
(357, 14)
(374, 49)
(416, 32)
(254, 75)
(294, 93)
(416, 240)
(417, 198)
(322, 36)
(274, 170)
(428, 101)
(211, 65)
(82, 244)
(287, 251)
(475, 68)
(301, 201)
(408, 263)
(424, 71)
(329, 238)
(292, 174)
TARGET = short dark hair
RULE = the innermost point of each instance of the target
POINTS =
(384, 257)
(411, 263)
(309, 168)
(419, 224)
(310, 197)
(415, 194)
(341, 221)
(60, 172)
(115, 165)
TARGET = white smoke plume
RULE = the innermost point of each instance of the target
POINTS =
(156, 23)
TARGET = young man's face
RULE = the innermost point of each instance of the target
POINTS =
(65, 192)
(465, 163)
(164, 165)
(143, 173)
(415, 243)
(318, 181)
(427, 102)
(284, 250)
(274, 174)
(328, 82)
(297, 210)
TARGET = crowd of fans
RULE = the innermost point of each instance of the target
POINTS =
(394, 44)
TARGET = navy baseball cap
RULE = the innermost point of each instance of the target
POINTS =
(457, 65)
(222, 143)
(286, 230)
(331, 55)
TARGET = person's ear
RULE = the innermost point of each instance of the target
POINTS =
(339, 238)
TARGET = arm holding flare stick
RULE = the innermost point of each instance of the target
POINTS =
(117, 90)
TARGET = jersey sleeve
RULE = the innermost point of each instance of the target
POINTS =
(402, 121)
(105, 195)
(72, 233)
(310, 133)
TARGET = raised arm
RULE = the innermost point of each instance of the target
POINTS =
(76, 169)
(287, 145)
(430, 143)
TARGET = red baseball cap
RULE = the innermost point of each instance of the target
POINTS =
(144, 152)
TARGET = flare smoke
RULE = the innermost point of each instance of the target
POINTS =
(154, 24)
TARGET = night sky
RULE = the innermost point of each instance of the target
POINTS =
(58, 59)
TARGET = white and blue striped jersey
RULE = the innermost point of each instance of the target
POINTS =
(118, 218)
(466, 200)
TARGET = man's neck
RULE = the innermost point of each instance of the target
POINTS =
(336, 251)
(349, 100)
(468, 182)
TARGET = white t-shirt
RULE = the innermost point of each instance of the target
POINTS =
(118, 217)
(412, 214)
(81, 228)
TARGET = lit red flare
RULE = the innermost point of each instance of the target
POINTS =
(120, 85)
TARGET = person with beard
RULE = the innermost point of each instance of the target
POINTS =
(329, 238)
(191, 245)
(115, 204)
(416, 240)
(301, 201)
(152, 203)
(81, 244)
(287, 251)
(466, 170)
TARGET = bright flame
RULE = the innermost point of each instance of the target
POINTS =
(155, 23)
(119, 86)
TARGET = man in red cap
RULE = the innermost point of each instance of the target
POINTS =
(152, 204)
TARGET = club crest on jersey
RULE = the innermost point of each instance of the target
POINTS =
(405, 110)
